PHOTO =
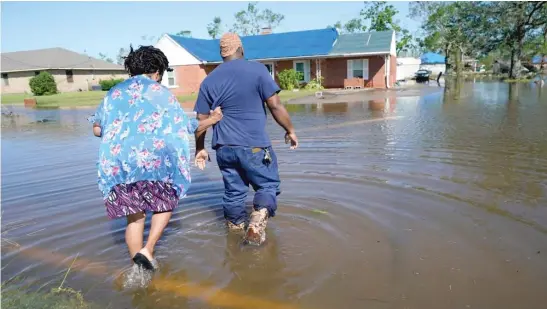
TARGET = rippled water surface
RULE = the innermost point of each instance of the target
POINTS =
(435, 201)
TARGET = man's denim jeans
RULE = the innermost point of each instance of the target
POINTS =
(241, 166)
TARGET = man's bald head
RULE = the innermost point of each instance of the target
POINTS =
(231, 47)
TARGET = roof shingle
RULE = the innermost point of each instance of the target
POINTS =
(52, 58)
(268, 46)
(363, 43)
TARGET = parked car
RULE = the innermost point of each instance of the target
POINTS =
(422, 75)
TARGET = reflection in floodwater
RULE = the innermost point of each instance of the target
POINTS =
(408, 199)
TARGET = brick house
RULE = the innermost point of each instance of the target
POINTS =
(72, 71)
(362, 60)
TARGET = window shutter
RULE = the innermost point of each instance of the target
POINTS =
(350, 68)
(365, 69)
(307, 70)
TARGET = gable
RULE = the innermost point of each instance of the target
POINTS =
(269, 46)
(175, 53)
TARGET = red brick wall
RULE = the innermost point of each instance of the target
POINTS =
(189, 77)
(393, 70)
(335, 70)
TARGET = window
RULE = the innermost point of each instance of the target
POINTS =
(358, 68)
(270, 67)
(5, 79)
(69, 76)
(304, 68)
(36, 73)
(171, 79)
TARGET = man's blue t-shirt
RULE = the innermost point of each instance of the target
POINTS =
(240, 88)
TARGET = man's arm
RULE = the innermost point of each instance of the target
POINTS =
(279, 113)
(282, 117)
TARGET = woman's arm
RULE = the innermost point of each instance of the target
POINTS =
(214, 117)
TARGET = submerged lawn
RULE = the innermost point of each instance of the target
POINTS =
(93, 98)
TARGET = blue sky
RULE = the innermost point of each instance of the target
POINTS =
(104, 27)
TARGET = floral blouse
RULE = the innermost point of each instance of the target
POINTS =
(145, 136)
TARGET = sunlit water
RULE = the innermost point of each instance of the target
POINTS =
(436, 201)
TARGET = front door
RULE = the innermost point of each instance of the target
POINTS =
(270, 67)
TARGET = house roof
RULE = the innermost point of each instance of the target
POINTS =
(52, 58)
(268, 46)
(363, 43)
(432, 58)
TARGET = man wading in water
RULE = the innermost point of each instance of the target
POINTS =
(243, 148)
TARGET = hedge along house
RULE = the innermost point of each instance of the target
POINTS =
(342, 60)
(72, 71)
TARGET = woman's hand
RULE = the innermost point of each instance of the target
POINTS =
(216, 114)
(201, 159)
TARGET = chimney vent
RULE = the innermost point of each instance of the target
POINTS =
(266, 30)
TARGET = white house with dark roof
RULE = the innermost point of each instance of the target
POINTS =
(72, 71)
(342, 60)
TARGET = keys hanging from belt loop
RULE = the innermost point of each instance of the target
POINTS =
(267, 156)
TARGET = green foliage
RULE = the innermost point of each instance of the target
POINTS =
(514, 30)
(184, 33)
(252, 20)
(289, 79)
(43, 84)
(380, 16)
(315, 84)
(214, 29)
(56, 299)
(122, 53)
(107, 84)
(105, 58)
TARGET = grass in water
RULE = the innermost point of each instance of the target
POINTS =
(57, 298)
(319, 212)
(93, 98)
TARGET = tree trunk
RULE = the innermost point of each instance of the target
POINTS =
(458, 58)
(448, 65)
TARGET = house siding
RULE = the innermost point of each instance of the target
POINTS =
(82, 80)
(333, 71)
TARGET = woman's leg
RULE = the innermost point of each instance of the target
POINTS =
(134, 232)
(159, 222)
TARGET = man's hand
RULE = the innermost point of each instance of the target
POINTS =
(201, 159)
(216, 114)
(290, 137)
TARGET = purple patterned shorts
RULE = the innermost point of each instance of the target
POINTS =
(141, 196)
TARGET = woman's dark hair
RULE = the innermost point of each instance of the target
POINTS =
(146, 60)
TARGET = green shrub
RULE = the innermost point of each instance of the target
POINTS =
(289, 79)
(315, 84)
(107, 84)
(43, 84)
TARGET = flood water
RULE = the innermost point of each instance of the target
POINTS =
(436, 201)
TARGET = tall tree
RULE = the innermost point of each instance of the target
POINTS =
(122, 53)
(515, 22)
(379, 16)
(215, 28)
(252, 20)
(105, 58)
(185, 33)
(354, 25)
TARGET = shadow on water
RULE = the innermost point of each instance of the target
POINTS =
(413, 198)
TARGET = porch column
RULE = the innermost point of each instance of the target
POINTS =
(318, 70)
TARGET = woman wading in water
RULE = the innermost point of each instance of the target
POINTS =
(144, 155)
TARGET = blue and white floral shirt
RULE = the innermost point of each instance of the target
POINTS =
(145, 136)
